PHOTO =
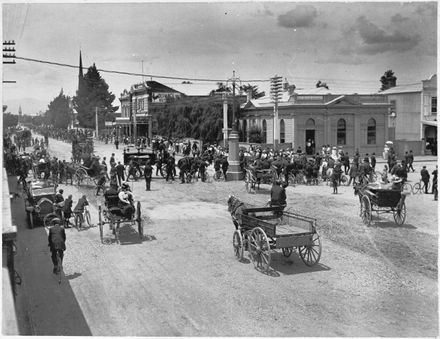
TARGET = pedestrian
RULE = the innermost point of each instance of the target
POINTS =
(101, 182)
(425, 178)
(225, 166)
(373, 161)
(117, 143)
(112, 160)
(79, 208)
(120, 173)
(410, 161)
(434, 183)
(67, 209)
(278, 195)
(59, 196)
(148, 173)
(336, 177)
(384, 176)
(170, 168)
(353, 173)
(57, 245)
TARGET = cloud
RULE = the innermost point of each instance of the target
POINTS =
(301, 16)
(427, 8)
(398, 19)
(375, 40)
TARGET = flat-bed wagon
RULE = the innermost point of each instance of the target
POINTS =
(264, 229)
(380, 200)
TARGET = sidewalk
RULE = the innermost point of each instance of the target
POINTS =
(417, 158)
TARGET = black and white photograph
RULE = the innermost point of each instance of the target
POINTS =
(220, 169)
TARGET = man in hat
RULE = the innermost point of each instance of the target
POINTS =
(148, 173)
(425, 178)
(278, 195)
(57, 245)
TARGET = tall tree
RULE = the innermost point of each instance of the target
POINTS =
(388, 80)
(93, 94)
(255, 93)
(59, 112)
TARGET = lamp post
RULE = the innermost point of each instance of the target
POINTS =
(275, 93)
(234, 172)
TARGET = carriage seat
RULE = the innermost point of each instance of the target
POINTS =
(112, 203)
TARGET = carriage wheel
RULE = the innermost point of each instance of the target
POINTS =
(417, 188)
(259, 249)
(49, 219)
(30, 219)
(88, 218)
(101, 225)
(366, 212)
(139, 220)
(292, 179)
(80, 175)
(407, 188)
(287, 251)
(399, 213)
(237, 243)
(311, 253)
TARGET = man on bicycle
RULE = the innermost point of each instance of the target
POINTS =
(57, 245)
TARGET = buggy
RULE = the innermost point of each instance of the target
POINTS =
(111, 213)
(372, 198)
(263, 229)
(255, 177)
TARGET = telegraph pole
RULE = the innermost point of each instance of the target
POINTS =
(275, 93)
(9, 53)
(96, 121)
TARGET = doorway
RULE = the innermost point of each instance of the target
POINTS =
(310, 141)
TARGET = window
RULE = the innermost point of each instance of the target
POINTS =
(342, 132)
(371, 132)
(434, 105)
(282, 132)
(264, 131)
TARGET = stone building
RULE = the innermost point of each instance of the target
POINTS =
(319, 117)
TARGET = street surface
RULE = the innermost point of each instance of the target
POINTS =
(183, 279)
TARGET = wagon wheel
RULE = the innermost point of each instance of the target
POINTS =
(50, 218)
(139, 220)
(101, 224)
(237, 243)
(30, 219)
(366, 212)
(311, 253)
(399, 213)
(287, 251)
(80, 175)
(259, 249)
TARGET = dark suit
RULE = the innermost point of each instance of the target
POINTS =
(57, 243)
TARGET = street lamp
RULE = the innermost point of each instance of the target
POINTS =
(276, 84)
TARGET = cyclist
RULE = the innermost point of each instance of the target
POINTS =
(57, 244)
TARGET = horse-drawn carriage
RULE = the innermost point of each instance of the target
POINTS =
(259, 230)
(135, 158)
(372, 198)
(39, 200)
(113, 214)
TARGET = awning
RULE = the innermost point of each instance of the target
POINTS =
(122, 121)
(429, 123)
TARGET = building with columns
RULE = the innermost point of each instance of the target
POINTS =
(349, 121)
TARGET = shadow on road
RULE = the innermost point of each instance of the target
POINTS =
(293, 264)
(384, 223)
(43, 306)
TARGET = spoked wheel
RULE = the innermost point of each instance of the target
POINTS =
(78, 221)
(80, 175)
(311, 253)
(259, 249)
(399, 213)
(101, 225)
(87, 217)
(50, 219)
(287, 251)
(163, 170)
(407, 188)
(292, 180)
(417, 188)
(139, 220)
(237, 243)
(366, 212)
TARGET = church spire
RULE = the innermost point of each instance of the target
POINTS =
(80, 75)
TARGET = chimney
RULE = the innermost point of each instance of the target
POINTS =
(249, 95)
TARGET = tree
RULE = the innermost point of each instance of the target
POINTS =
(255, 134)
(92, 93)
(59, 112)
(388, 80)
(9, 120)
(255, 93)
(220, 89)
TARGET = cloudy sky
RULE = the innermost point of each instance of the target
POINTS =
(348, 45)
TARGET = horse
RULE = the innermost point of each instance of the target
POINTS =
(236, 207)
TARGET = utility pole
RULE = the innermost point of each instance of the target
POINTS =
(275, 93)
(9, 53)
(96, 121)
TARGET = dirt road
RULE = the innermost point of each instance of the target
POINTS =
(182, 279)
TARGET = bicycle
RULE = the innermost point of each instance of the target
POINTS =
(219, 176)
(80, 217)
(420, 187)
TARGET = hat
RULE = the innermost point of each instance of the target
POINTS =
(396, 179)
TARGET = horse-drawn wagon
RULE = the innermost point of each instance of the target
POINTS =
(372, 198)
(259, 230)
(254, 177)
